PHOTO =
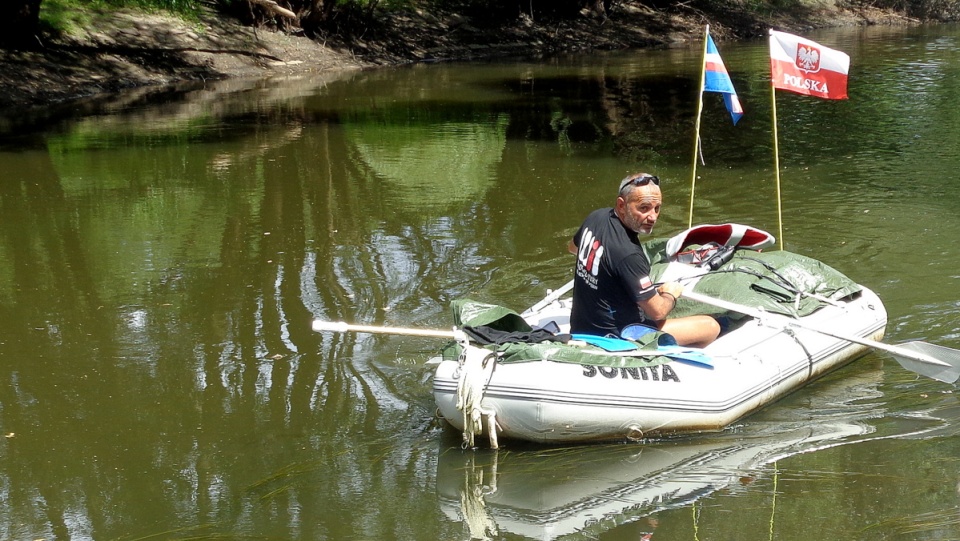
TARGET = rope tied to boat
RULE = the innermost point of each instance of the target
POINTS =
(791, 332)
(763, 319)
(476, 367)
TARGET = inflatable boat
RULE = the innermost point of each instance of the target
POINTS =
(793, 320)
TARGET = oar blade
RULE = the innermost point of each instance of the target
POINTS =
(939, 372)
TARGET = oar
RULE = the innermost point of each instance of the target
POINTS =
(554, 295)
(342, 326)
(937, 362)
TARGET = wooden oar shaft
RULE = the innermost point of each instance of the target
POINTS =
(790, 322)
(342, 326)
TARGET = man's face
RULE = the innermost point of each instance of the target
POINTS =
(640, 209)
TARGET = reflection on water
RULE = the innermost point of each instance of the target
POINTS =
(162, 256)
(424, 165)
(582, 492)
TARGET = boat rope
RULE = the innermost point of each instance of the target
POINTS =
(475, 370)
(789, 331)
(763, 320)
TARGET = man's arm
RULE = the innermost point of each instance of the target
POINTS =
(659, 306)
(572, 247)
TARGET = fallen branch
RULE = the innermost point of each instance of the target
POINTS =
(275, 8)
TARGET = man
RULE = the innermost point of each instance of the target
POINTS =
(612, 286)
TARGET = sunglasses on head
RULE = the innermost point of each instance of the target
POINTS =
(641, 180)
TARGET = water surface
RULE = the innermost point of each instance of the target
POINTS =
(162, 257)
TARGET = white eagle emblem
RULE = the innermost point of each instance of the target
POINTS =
(808, 58)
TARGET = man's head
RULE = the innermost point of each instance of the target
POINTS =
(638, 202)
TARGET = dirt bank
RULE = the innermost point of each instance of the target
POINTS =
(127, 49)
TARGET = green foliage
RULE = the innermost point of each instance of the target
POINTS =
(494, 11)
(925, 9)
(181, 7)
(68, 15)
(64, 16)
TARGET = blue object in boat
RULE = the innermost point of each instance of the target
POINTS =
(607, 343)
(667, 347)
(686, 355)
(635, 331)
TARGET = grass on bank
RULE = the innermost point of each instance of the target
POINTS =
(70, 16)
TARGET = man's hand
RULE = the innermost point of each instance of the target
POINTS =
(674, 289)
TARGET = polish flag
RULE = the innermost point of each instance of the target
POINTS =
(806, 67)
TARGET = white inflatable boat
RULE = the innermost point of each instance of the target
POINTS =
(553, 399)
(551, 402)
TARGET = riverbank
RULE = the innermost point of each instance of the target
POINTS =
(120, 50)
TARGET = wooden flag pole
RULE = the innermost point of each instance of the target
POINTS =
(696, 137)
(776, 158)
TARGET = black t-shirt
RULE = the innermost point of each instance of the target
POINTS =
(612, 275)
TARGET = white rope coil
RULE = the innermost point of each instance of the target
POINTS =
(476, 369)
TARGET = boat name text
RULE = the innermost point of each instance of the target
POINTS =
(663, 372)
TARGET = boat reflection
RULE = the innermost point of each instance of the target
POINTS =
(585, 490)
(582, 491)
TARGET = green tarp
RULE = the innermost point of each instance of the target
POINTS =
(768, 280)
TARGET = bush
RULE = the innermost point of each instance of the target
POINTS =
(494, 11)
(923, 9)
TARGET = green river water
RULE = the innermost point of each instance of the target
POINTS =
(162, 256)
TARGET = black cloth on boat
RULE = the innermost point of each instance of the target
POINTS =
(484, 334)
(504, 330)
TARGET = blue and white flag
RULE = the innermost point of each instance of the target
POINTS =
(716, 79)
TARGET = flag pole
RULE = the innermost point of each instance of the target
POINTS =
(776, 158)
(696, 137)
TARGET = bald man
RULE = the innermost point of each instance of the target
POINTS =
(612, 286)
